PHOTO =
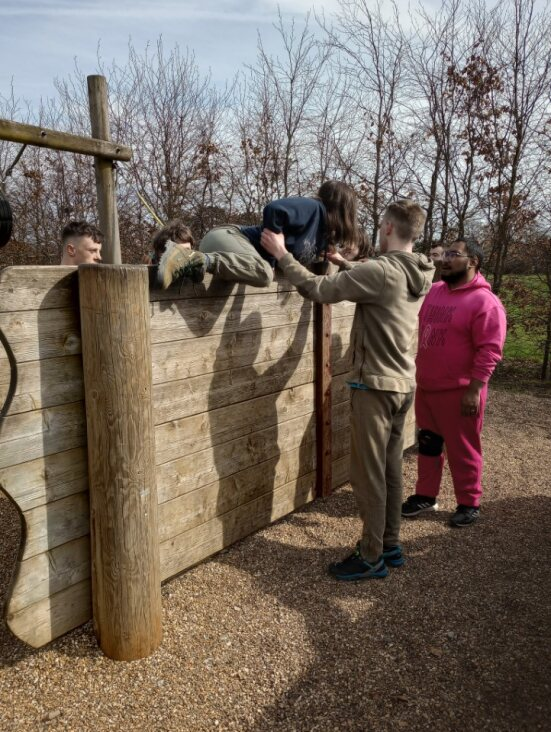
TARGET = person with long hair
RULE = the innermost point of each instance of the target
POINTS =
(311, 227)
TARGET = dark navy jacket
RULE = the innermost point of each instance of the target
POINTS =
(301, 220)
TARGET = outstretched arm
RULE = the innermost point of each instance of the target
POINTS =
(363, 283)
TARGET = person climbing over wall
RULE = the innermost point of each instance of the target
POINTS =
(81, 243)
(175, 232)
(388, 292)
(310, 226)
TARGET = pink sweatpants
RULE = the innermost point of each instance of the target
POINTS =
(440, 412)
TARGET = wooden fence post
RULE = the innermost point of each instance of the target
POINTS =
(116, 351)
(105, 179)
(322, 369)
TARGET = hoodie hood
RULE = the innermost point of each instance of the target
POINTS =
(418, 270)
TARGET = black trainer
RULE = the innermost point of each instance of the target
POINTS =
(416, 504)
(464, 516)
(355, 567)
(393, 556)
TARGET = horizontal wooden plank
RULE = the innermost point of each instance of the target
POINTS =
(199, 506)
(192, 546)
(178, 399)
(340, 415)
(181, 319)
(56, 140)
(53, 616)
(51, 572)
(185, 436)
(341, 472)
(209, 465)
(341, 443)
(37, 334)
(34, 483)
(56, 523)
(46, 383)
(212, 287)
(38, 287)
(340, 390)
(341, 329)
(343, 309)
(32, 435)
(176, 360)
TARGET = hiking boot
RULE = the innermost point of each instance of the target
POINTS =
(178, 261)
(393, 556)
(416, 504)
(464, 516)
(355, 567)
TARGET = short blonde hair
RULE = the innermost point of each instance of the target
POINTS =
(408, 218)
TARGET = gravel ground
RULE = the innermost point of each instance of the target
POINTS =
(261, 638)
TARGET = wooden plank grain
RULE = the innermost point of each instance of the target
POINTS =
(41, 622)
(178, 399)
(203, 504)
(191, 319)
(192, 546)
(188, 435)
(180, 359)
(51, 572)
(46, 383)
(211, 287)
(38, 288)
(38, 334)
(187, 473)
(32, 435)
(45, 479)
(56, 523)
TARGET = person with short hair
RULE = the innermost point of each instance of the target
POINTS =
(311, 226)
(462, 327)
(435, 256)
(81, 243)
(388, 292)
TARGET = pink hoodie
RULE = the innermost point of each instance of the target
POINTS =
(461, 335)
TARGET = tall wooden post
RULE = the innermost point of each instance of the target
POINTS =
(322, 349)
(116, 350)
(105, 179)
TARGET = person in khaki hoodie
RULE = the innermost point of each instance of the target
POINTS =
(388, 291)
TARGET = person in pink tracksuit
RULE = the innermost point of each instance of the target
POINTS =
(462, 327)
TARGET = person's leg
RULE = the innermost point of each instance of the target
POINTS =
(463, 446)
(371, 418)
(430, 459)
(393, 473)
(233, 258)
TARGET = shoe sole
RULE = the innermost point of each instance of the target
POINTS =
(463, 526)
(395, 562)
(411, 514)
(356, 577)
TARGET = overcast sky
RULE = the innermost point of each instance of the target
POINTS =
(40, 39)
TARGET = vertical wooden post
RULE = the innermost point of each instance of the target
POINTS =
(105, 179)
(116, 351)
(322, 349)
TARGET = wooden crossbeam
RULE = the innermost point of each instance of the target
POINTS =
(42, 137)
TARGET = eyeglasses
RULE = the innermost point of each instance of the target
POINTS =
(450, 254)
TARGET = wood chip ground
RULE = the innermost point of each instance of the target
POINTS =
(260, 638)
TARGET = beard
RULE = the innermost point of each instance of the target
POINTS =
(452, 277)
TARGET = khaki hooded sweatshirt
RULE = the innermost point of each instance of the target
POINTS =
(389, 291)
